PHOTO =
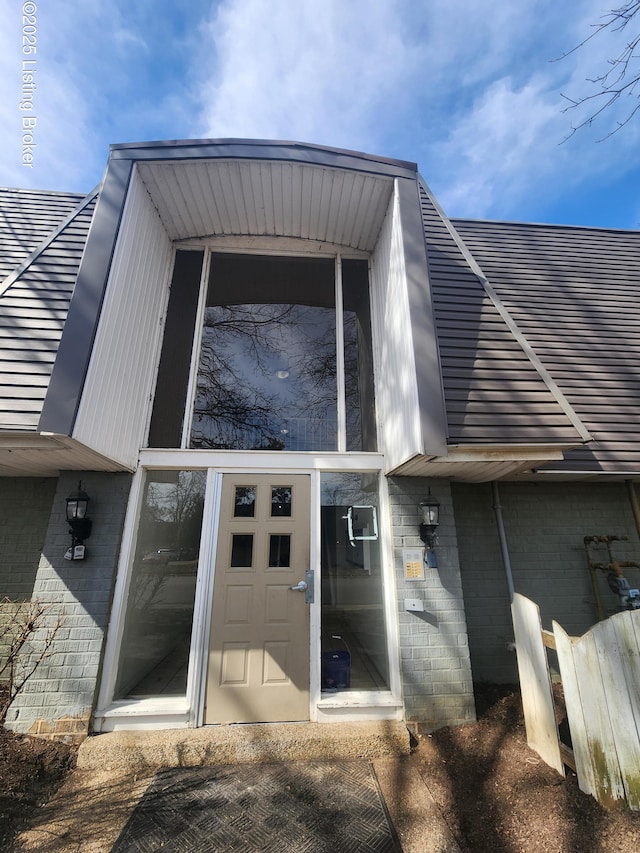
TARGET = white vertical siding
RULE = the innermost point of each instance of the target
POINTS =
(113, 412)
(394, 363)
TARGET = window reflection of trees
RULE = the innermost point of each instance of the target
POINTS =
(170, 525)
(159, 615)
(267, 378)
(176, 508)
(352, 380)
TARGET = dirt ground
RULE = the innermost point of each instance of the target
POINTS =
(31, 770)
(498, 796)
(495, 794)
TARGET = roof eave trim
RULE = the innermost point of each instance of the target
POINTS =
(512, 447)
(539, 453)
(600, 472)
(262, 149)
(461, 455)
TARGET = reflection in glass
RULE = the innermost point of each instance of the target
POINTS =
(267, 371)
(279, 550)
(354, 640)
(245, 502)
(358, 357)
(242, 550)
(281, 501)
(154, 654)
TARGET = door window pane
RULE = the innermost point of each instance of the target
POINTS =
(245, 502)
(154, 655)
(279, 551)
(242, 550)
(354, 639)
(281, 501)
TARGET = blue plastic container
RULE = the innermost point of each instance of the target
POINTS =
(335, 670)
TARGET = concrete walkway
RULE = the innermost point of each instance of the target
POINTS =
(114, 770)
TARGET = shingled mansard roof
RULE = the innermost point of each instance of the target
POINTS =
(537, 326)
(574, 293)
(496, 390)
(42, 236)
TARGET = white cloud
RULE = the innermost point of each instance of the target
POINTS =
(63, 139)
(466, 89)
(306, 70)
(467, 92)
(97, 84)
(502, 151)
(491, 146)
(126, 39)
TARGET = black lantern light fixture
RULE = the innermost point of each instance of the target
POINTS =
(429, 509)
(79, 523)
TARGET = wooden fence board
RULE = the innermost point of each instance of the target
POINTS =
(575, 715)
(535, 682)
(602, 748)
(627, 630)
(611, 662)
(601, 679)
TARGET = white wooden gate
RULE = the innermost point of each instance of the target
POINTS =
(600, 674)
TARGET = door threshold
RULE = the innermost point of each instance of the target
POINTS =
(147, 751)
(358, 699)
(141, 714)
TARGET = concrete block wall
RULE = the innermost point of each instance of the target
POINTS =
(434, 653)
(58, 699)
(545, 525)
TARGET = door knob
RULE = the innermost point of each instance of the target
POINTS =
(301, 586)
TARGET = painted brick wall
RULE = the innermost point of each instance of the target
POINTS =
(25, 506)
(434, 653)
(58, 699)
(545, 524)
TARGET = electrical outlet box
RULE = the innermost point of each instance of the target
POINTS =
(414, 604)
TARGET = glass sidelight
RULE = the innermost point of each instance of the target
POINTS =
(354, 638)
(154, 655)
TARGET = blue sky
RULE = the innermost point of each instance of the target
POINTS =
(466, 89)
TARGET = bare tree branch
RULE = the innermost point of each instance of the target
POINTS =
(620, 79)
(24, 651)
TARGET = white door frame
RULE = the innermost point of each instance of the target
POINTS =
(189, 711)
(198, 664)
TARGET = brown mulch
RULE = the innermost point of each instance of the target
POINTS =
(495, 794)
(31, 770)
(498, 796)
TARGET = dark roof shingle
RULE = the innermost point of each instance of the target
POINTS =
(34, 305)
(494, 393)
(575, 294)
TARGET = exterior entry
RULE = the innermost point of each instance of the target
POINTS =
(259, 643)
(271, 307)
